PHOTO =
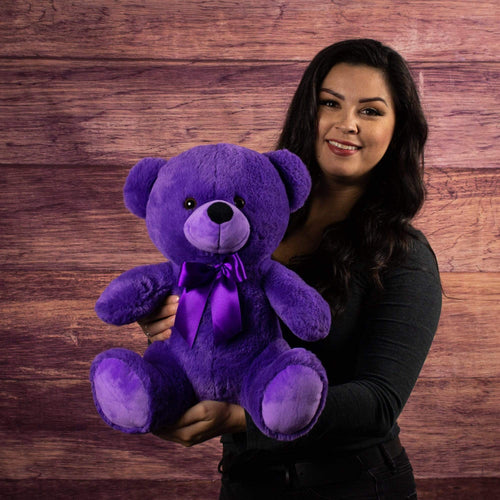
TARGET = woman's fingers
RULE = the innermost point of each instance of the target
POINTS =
(168, 309)
(204, 421)
(158, 330)
(159, 325)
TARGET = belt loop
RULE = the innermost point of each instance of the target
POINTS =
(289, 474)
(387, 458)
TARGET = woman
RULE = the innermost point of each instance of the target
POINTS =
(357, 122)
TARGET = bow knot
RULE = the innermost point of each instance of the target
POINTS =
(200, 281)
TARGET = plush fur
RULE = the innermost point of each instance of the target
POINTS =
(207, 205)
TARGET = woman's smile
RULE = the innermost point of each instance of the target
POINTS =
(343, 148)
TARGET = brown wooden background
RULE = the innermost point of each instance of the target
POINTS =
(88, 87)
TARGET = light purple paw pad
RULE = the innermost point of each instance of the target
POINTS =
(120, 394)
(291, 399)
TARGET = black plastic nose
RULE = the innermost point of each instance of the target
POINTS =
(220, 212)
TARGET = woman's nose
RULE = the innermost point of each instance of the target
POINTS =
(347, 124)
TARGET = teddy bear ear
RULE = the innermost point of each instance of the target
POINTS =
(139, 183)
(294, 174)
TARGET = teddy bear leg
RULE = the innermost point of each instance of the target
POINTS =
(287, 393)
(130, 394)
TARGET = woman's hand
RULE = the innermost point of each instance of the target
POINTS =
(205, 421)
(159, 325)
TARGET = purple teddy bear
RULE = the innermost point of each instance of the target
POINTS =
(216, 213)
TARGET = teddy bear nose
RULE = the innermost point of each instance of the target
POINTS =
(220, 212)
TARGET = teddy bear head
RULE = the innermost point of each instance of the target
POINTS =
(212, 201)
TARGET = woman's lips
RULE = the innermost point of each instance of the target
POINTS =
(343, 148)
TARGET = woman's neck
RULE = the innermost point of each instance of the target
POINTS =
(330, 203)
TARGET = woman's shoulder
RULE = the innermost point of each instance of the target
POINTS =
(420, 253)
(414, 280)
(417, 269)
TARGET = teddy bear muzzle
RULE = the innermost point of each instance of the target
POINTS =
(217, 227)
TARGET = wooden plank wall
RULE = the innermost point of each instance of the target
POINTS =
(88, 87)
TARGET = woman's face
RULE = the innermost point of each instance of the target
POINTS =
(356, 119)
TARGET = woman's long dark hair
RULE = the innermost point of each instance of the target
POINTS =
(377, 230)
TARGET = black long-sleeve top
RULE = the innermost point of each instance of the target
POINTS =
(372, 356)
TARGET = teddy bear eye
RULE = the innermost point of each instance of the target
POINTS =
(189, 203)
(239, 202)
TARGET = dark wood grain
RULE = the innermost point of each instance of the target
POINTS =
(59, 434)
(259, 29)
(51, 338)
(75, 216)
(51, 318)
(49, 341)
(466, 343)
(460, 219)
(455, 488)
(106, 455)
(109, 489)
(450, 425)
(65, 405)
(459, 488)
(100, 113)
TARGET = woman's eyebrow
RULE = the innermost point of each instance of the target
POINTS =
(369, 99)
(342, 98)
(336, 94)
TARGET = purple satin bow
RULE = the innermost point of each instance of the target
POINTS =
(199, 282)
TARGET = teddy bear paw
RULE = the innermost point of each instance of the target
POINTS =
(121, 397)
(292, 399)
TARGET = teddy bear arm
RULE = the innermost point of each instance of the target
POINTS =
(297, 304)
(135, 293)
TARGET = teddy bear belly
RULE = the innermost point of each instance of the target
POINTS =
(217, 371)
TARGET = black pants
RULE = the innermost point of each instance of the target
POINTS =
(374, 474)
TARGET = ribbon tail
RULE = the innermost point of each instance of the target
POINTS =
(238, 267)
(190, 310)
(226, 312)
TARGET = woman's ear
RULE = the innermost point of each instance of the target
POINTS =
(139, 183)
(294, 175)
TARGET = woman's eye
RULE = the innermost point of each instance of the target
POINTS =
(239, 202)
(371, 112)
(189, 203)
(328, 103)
